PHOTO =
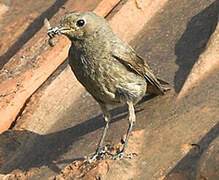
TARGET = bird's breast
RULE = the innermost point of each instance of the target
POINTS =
(105, 78)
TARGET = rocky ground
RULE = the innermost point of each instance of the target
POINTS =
(175, 136)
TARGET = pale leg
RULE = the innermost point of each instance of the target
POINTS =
(132, 118)
(100, 152)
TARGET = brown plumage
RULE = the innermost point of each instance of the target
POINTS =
(107, 67)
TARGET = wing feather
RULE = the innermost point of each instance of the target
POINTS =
(134, 62)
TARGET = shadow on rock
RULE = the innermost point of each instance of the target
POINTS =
(193, 42)
(191, 165)
(33, 28)
(23, 149)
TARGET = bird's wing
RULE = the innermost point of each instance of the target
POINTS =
(134, 62)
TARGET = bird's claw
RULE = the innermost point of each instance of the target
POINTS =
(122, 155)
(98, 155)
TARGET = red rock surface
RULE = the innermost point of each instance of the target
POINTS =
(175, 138)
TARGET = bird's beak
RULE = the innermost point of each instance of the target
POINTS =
(57, 31)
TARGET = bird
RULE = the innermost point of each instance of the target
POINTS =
(109, 69)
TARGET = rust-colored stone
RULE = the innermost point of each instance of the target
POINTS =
(32, 79)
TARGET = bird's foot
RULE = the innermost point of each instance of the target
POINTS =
(98, 155)
(122, 155)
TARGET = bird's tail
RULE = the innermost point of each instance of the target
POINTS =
(165, 85)
(163, 88)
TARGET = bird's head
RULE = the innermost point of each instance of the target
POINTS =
(80, 25)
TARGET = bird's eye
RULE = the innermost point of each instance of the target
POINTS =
(80, 22)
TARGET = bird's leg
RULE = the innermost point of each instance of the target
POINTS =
(106, 116)
(132, 118)
(100, 152)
